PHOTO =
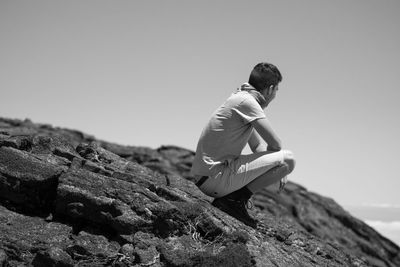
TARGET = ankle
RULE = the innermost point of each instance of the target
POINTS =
(242, 194)
(247, 193)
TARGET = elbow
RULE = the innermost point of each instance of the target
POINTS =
(276, 145)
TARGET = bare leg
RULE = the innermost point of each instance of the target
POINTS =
(270, 177)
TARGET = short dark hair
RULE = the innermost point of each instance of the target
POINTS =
(264, 75)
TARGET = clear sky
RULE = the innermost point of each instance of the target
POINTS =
(150, 73)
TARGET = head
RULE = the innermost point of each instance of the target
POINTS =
(265, 77)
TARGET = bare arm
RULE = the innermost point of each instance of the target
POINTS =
(256, 143)
(264, 129)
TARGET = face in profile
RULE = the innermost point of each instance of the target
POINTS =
(270, 92)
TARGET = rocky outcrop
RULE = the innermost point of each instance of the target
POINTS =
(67, 199)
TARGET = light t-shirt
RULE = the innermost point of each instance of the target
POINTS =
(227, 132)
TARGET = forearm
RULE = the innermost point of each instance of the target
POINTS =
(262, 147)
(264, 129)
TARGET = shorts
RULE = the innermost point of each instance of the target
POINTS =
(236, 173)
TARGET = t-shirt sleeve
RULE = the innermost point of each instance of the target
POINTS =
(249, 110)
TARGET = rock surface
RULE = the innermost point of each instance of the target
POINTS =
(67, 199)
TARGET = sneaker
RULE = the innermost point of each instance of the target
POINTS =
(235, 208)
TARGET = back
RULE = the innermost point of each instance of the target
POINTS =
(227, 132)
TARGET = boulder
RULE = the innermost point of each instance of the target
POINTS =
(23, 237)
(26, 180)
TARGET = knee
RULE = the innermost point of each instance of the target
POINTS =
(289, 160)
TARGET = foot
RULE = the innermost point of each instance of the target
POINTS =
(235, 208)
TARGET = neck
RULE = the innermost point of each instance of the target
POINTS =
(256, 94)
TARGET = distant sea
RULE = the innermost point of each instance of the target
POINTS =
(385, 219)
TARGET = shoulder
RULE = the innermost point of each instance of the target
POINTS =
(248, 108)
(249, 102)
(241, 97)
(243, 101)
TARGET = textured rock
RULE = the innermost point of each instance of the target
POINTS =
(3, 258)
(92, 247)
(96, 199)
(22, 237)
(26, 180)
(325, 219)
(53, 256)
(67, 199)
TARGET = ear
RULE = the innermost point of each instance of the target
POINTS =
(270, 89)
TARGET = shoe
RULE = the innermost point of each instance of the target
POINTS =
(236, 208)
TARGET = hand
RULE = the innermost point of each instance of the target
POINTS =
(282, 184)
